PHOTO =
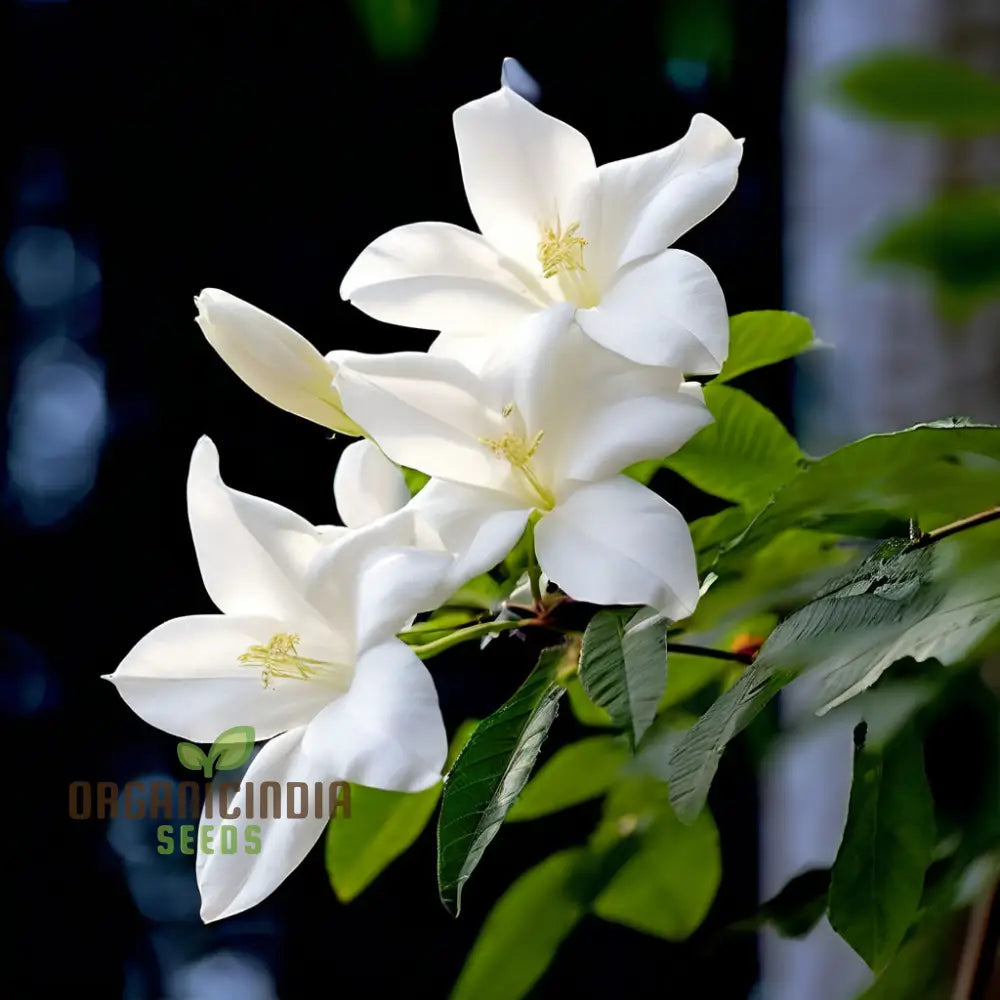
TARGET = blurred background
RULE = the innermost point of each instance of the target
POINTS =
(158, 148)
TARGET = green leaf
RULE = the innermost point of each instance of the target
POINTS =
(878, 876)
(623, 665)
(777, 577)
(232, 749)
(490, 773)
(921, 89)
(687, 675)
(668, 884)
(192, 757)
(796, 909)
(383, 825)
(764, 338)
(940, 601)
(956, 241)
(744, 456)
(534, 916)
(922, 968)
(583, 709)
(715, 532)
(523, 931)
(658, 745)
(414, 479)
(643, 472)
(936, 472)
(575, 773)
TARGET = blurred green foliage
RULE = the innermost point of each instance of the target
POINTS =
(397, 29)
(954, 240)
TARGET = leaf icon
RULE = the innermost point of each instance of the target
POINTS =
(232, 748)
(191, 756)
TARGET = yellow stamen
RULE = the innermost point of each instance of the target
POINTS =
(516, 449)
(560, 250)
(519, 451)
(280, 658)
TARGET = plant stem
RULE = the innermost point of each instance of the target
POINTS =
(429, 649)
(718, 654)
(930, 537)
(975, 966)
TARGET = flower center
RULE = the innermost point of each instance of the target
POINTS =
(280, 658)
(561, 250)
(515, 448)
(519, 450)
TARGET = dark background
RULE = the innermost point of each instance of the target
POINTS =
(258, 147)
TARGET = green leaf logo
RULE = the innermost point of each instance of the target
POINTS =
(191, 756)
(231, 750)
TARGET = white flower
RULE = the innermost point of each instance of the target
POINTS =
(274, 360)
(366, 485)
(304, 652)
(557, 228)
(546, 427)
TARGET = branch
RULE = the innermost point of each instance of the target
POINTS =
(930, 537)
(979, 950)
(718, 654)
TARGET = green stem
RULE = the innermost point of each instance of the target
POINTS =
(429, 649)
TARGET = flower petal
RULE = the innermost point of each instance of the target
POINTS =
(667, 310)
(272, 359)
(232, 883)
(185, 678)
(480, 526)
(598, 411)
(647, 202)
(382, 579)
(522, 170)
(616, 542)
(471, 350)
(425, 412)
(367, 485)
(387, 731)
(435, 276)
(634, 429)
(253, 554)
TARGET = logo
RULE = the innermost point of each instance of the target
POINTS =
(190, 801)
(231, 750)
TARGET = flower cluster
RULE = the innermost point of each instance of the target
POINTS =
(565, 334)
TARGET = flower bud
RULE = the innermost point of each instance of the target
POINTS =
(273, 359)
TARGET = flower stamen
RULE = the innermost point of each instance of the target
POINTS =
(515, 448)
(560, 250)
(280, 658)
(519, 451)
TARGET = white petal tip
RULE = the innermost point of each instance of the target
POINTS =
(205, 454)
(515, 77)
(213, 912)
